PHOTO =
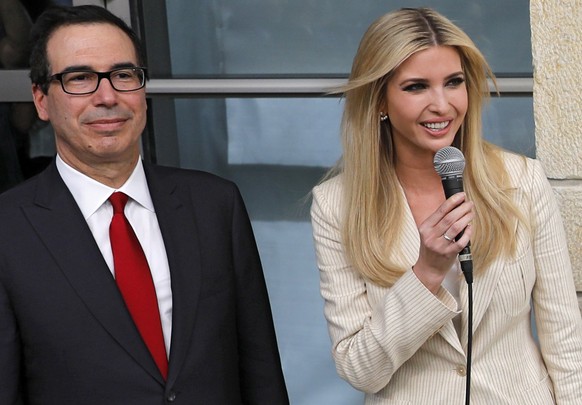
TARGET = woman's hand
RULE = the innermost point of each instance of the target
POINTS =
(438, 244)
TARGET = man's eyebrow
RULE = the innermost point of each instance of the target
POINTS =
(123, 65)
(75, 68)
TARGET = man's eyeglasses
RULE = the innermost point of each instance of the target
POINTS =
(79, 82)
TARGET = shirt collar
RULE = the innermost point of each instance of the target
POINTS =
(91, 194)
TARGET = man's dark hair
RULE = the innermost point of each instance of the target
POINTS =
(60, 16)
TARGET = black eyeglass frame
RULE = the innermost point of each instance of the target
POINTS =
(100, 75)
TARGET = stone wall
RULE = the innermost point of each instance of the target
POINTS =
(557, 57)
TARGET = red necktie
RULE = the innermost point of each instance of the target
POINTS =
(134, 280)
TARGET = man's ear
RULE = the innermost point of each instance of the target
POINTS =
(40, 101)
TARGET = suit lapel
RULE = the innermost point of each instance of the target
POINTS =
(484, 285)
(59, 223)
(177, 220)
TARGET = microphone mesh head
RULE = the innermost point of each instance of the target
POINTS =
(449, 161)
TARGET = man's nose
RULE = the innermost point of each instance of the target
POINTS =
(105, 93)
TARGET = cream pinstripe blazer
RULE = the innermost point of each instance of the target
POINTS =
(399, 345)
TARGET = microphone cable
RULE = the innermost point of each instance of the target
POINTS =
(469, 345)
(467, 267)
(449, 163)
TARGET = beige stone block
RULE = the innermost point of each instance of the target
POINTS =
(557, 57)
(569, 196)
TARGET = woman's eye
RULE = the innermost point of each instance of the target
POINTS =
(415, 87)
(456, 81)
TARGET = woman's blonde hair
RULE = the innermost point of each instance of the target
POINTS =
(373, 204)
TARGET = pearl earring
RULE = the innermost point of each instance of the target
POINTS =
(383, 116)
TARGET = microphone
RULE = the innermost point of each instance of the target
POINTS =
(449, 163)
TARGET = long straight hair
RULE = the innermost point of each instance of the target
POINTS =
(372, 200)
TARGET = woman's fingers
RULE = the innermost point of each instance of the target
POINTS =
(456, 221)
(443, 235)
(449, 220)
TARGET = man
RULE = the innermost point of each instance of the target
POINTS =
(72, 331)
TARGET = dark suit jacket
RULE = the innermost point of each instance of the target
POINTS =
(66, 336)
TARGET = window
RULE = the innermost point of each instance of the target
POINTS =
(237, 88)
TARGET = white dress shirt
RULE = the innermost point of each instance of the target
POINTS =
(92, 198)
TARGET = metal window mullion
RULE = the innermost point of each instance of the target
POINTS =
(16, 87)
(287, 87)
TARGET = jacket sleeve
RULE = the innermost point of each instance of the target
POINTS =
(370, 342)
(260, 369)
(10, 352)
(558, 320)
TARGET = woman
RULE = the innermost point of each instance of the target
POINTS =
(395, 302)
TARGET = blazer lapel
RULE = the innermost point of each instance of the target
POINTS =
(59, 223)
(177, 220)
(484, 283)
(484, 286)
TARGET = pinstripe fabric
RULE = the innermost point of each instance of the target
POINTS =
(399, 345)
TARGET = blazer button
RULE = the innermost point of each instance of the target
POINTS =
(171, 396)
(461, 370)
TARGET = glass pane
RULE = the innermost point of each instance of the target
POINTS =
(508, 122)
(317, 37)
(276, 150)
(26, 142)
(304, 132)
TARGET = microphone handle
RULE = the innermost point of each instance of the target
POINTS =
(452, 185)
